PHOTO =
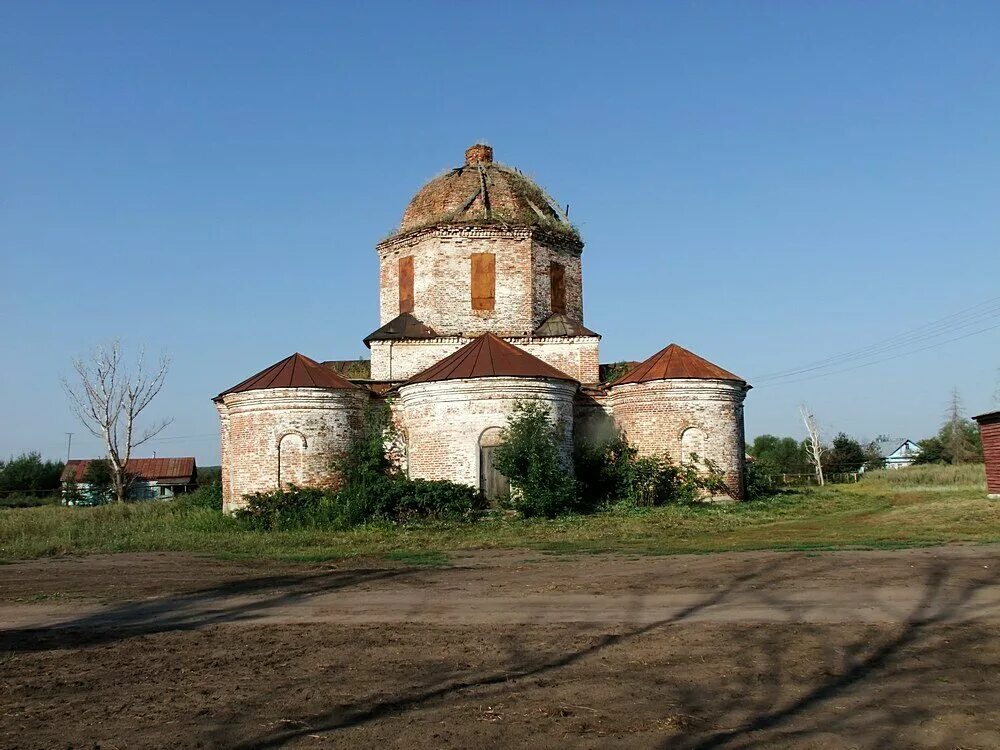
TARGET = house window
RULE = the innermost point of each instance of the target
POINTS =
(483, 281)
(557, 287)
(406, 284)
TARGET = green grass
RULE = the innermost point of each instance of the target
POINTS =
(933, 505)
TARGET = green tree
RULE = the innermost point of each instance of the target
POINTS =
(29, 475)
(531, 459)
(99, 480)
(845, 455)
(873, 457)
(777, 455)
(957, 442)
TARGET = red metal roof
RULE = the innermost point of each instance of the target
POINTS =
(296, 371)
(488, 357)
(675, 362)
(149, 469)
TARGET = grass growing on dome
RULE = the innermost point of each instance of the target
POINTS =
(879, 512)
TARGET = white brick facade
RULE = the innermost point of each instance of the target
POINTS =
(654, 417)
(577, 356)
(444, 421)
(442, 280)
(294, 432)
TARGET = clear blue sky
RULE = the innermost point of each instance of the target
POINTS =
(767, 184)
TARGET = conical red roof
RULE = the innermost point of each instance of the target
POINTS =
(488, 357)
(296, 371)
(675, 362)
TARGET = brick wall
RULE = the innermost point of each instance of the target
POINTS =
(443, 421)
(442, 259)
(542, 254)
(990, 431)
(577, 356)
(399, 360)
(654, 417)
(306, 427)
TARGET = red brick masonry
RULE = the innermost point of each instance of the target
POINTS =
(989, 428)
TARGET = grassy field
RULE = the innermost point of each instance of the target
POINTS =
(912, 507)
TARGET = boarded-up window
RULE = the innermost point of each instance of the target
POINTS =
(406, 284)
(484, 281)
(557, 284)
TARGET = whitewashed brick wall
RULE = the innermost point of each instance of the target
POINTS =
(443, 421)
(655, 415)
(398, 360)
(443, 282)
(253, 423)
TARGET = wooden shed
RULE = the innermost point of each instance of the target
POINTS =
(989, 428)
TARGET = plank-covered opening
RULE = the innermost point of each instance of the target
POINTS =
(406, 284)
(483, 281)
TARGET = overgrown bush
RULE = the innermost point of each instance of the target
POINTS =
(393, 500)
(541, 482)
(613, 473)
(208, 495)
(293, 508)
(760, 482)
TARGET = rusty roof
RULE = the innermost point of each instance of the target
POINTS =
(488, 357)
(403, 326)
(482, 192)
(178, 470)
(675, 362)
(296, 371)
(558, 324)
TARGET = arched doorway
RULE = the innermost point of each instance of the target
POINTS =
(493, 484)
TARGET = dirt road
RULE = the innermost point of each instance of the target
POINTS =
(827, 650)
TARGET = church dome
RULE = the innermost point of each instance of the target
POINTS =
(481, 193)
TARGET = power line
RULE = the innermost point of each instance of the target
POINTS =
(880, 361)
(982, 312)
(901, 344)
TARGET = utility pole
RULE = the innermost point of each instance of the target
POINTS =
(69, 445)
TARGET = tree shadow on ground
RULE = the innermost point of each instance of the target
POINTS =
(871, 674)
(228, 602)
(765, 697)
(525, 665)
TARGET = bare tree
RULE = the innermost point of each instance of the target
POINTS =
(814, 444)
(108, 400)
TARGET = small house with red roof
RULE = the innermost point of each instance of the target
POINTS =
(152, 479)
(480, 308)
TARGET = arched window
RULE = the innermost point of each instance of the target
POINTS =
(692, 445)
(291, 459)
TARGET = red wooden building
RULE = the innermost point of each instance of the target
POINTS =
(989, 428)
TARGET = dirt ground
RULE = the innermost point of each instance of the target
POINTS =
(893, 649)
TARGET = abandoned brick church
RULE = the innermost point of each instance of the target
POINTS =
(481, 307)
